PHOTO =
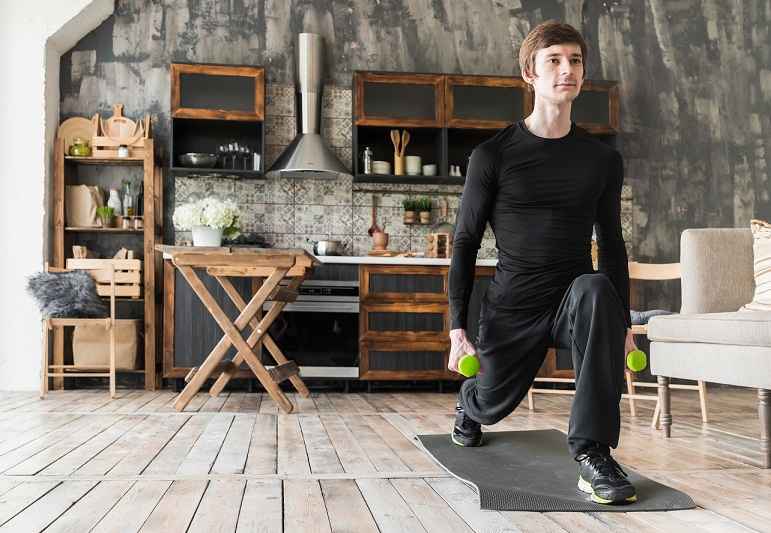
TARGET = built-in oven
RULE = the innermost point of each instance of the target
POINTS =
(320, 329)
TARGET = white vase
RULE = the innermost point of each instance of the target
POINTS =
(207, 236)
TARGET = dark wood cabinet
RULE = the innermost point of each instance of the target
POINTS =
(407, 100)
(597, 107)
(404, 321)
(189, 331)
(217, 92)
(485, 102)
(213, 106)
(464, 112)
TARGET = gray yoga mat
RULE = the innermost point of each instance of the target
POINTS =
(533, 471)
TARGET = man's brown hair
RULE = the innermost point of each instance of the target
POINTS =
(544, 35)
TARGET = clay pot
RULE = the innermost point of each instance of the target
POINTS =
(379, 240)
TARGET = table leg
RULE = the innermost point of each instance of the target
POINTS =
(232, 336)
(267, 340)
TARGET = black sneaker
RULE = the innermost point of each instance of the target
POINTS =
(602, 477)
(466, 432)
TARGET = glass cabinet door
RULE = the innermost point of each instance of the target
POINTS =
(597, 107)
(485, 102)
(405, 100)
(217, 92)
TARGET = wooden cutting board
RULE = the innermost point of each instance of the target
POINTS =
(384, 253)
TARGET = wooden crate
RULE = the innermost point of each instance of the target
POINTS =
(128, 275)
(107, 148)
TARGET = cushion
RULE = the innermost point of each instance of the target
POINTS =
(67, 295)
(737, 328)
(761, 249)
(743, 366)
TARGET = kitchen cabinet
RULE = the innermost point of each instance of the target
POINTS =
(409, 100)
(448, 115)
(190, 332)
(404, 324)
(597, 107)
(213, 106)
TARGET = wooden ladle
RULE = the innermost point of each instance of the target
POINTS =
(374, 227)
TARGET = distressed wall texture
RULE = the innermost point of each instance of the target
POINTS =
(695, 82)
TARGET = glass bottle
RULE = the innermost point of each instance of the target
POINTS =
(367, 159)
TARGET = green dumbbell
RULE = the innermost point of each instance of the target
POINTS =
(468, 365)
(636, 360)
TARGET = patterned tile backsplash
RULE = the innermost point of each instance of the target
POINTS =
(289, 212)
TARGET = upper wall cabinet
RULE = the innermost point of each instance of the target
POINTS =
(597, 107)
(217, 92)
(395, 99)
(485, 102)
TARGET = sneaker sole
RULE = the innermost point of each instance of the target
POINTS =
(459, 443)
(585, 486)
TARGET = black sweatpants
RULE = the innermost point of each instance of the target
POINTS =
(589, 322)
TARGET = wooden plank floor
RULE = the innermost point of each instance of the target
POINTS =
(343, 462)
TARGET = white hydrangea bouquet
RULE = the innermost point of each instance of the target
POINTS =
(209, 219)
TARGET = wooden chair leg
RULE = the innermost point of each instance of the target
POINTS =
(666, 415)
(112, 361)
(656, 415)
(764, 410)
(703, 400)
(630, 390)
(530, 400)
(44, 363)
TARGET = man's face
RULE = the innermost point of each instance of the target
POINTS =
(559, 73)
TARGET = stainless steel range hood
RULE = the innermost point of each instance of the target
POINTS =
(308, 155)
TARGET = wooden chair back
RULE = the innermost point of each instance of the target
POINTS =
(654, 271)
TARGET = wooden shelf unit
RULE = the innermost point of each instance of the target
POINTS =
(66, 172)
(448, 115)
(213, 105)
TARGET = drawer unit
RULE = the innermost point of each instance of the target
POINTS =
(416, 360)
(386, 283)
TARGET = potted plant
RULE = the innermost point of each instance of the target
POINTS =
(105, 215)
(424, 207)
(409, 211)
(209, 219)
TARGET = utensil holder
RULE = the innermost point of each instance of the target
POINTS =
(398, 164)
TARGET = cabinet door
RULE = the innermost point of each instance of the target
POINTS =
(385, 283)
(194, 332)
(414, 360)
(485, 102)
(403, 321)
(217, 92)
(400, 100)
(597, 107)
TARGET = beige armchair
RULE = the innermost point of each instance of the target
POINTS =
(710, 340)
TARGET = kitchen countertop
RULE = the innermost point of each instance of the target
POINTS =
(377, 260)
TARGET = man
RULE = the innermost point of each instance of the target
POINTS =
(542, 184)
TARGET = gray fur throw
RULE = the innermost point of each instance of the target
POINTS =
(66, 295)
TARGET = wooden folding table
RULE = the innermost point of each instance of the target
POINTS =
(271, 266)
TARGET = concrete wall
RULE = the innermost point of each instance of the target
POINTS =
(695, 78)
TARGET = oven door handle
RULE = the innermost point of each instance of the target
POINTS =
(319, 307)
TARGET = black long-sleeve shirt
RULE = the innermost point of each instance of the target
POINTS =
(542, 198)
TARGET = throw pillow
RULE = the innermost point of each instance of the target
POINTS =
(761, 249)
(67, 295)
